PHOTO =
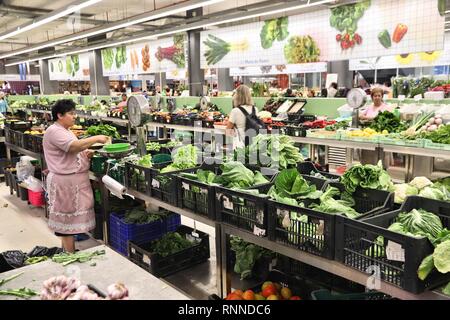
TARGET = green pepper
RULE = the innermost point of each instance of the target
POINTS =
(442, 7)
(385, 39)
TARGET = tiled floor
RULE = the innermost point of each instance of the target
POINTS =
(22, 227)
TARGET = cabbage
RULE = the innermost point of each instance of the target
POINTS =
(421, 223)
(420, 182)
(441, 257)
(432, 193)
(403, 190)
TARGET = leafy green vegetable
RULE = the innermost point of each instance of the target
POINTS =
(170, 243)
(21, 293)
(246, 256)
(103, 129)
(275, 29)
(404, 190)
(3, 281)
(184, 158)
(422, 223)
(121, 56)
(441, 257)
(140, 216)
(290, 184)
(441, 135)
(345, 18)
(34, 260)
(446, 289)
(367, 176)
(387, 120)
(301, 49)
(330, 205)
(425, 267)
(66, 258)
(433, 193)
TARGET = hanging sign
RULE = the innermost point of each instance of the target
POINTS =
(360, 30)
(279, 69)
(73, 68)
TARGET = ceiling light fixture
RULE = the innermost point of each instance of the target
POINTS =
(47, 18)
(157, 14)
(198, 25)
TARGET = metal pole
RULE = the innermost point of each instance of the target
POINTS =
(375, 79)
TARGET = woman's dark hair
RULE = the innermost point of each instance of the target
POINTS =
(62, 107)
(334, 85)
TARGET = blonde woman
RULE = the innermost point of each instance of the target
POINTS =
(237, 119)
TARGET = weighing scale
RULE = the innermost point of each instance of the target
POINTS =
(139, 114)
(356, 99)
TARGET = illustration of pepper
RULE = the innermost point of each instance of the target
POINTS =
(399, 32)
(442, 7)
(385, 39)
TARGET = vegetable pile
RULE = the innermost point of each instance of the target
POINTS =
(103, 129)
(64, 288)
(271, 151)
(301, 49)
(367, 176)
(438, 135)
(184, 158)
(170, 243)
(423, 187)
(246, 256)
(66, 258)
(388, 121)
(140, 216)
(269, 291)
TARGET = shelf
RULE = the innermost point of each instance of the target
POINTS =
(13, 147)
(337, 143)
(183, 212)
(185, 128)
(108, 119)
(331, 266)
(425, 152)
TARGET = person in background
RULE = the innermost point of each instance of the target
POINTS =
(3, 103)
(6, 87)
(167, 91)
(376, 107)
(311, 93)
(122, 104)
(157, 90)
(332, 90)
(237, 120)
(289, 93)
(324, 93)
(70, 197)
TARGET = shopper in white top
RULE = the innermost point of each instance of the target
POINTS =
(237, 119)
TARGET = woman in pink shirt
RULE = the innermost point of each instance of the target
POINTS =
(71, 201)
(378, 105)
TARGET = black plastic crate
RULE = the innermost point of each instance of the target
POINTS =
(36, 143)
(163, 186)
(200, 197)
(369, 202)
(295, 131)
(308, 168)
(164, 266)
(358, 246)
(137, 178)
(243, 210)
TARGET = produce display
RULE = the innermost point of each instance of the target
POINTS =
(103, 129)
(388, 122)
(70, 288)
(246, 256)
(141, 216)
(367, 176)
(170, 243)
(423, 187)
(269, 291)
(184, 158)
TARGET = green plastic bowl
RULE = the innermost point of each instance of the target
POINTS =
(117, 147)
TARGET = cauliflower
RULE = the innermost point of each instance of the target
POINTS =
(420, 182)
(432, 193)
(403, 190)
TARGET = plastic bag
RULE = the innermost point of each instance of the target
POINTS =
(12, 259)
(34, 184)
(24, 169)
(40, 251)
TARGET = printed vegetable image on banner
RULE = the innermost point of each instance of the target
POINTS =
(366, 29)
(74, 67)
(146, 57)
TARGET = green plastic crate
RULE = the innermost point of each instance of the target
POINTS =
(440, 146)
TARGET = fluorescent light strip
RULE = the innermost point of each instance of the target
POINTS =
(196, 26)
(114, 27)
(40, 22)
